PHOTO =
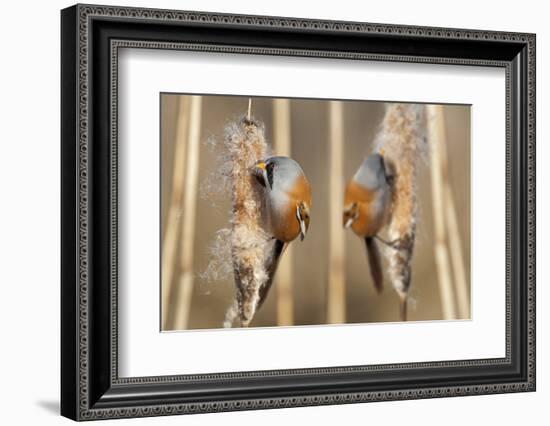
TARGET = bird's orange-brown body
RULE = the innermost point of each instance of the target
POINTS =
(366, 209)
(284, 223)
(288, 202)
(370, 210)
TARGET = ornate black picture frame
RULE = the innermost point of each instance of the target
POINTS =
(91, 36)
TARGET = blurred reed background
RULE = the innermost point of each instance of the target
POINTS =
(329, 140)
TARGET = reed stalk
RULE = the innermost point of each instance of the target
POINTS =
(170, 241)
(283, 278)
(187, 230)
(457, 259)
(336, 295)
(439, 172)
(460, 282)
(455, 240)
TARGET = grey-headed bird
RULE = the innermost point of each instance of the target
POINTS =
(288, 203)
(366, 208)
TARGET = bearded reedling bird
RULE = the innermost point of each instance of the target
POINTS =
(288, 202)
(366, 208)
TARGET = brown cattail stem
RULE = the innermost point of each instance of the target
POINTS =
(250, 244)
(336, 297)
(401, 141)
(187, 235)
(438, 170)
(170, 242)
(283, 280)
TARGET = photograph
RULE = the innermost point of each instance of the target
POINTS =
(265, 209)
(308, 212)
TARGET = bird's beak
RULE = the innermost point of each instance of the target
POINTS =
(302, 230)
(302, 220)
(261, 170)
(352, 213)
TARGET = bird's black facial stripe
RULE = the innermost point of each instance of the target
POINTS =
(269, 168)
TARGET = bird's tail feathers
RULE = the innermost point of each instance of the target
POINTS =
(271, 265)
(375, 263)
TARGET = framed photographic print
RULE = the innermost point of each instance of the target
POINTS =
(264, 212)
